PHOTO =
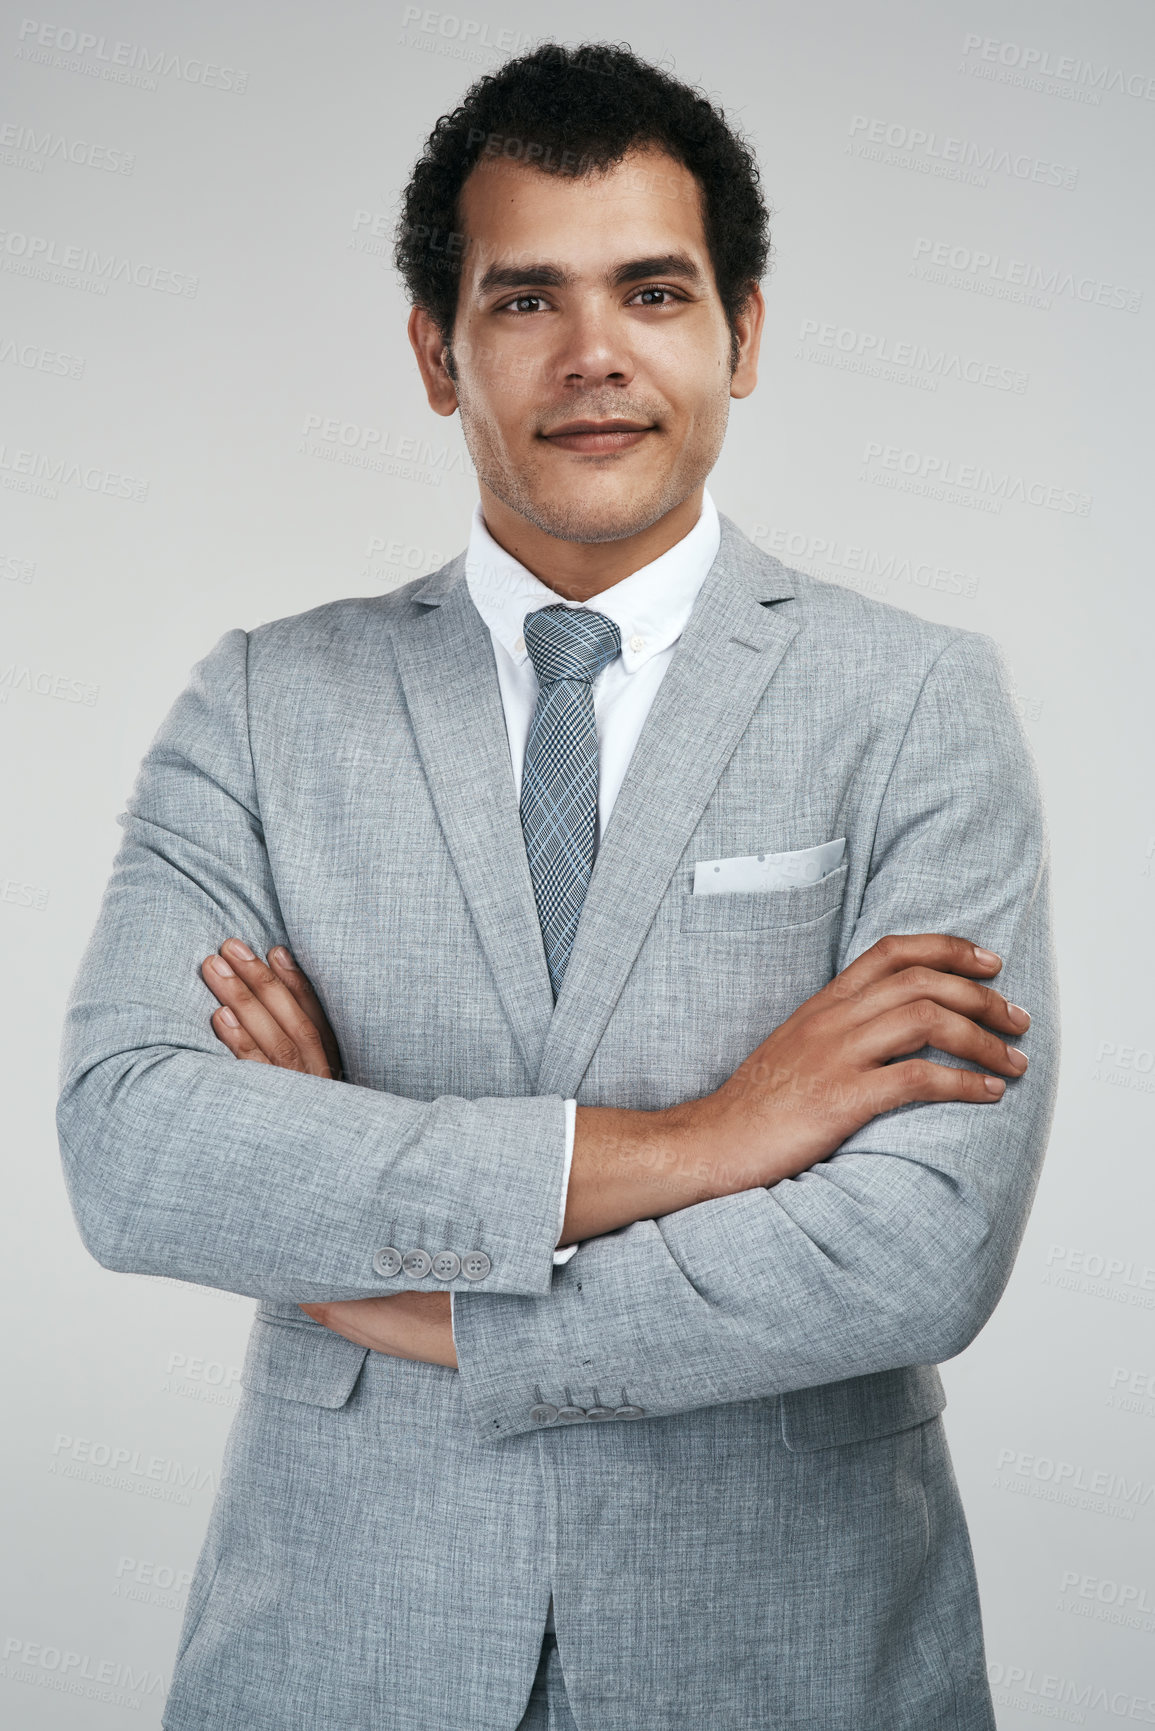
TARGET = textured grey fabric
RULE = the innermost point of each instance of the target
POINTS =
(778, 1539)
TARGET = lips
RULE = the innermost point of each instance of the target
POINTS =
(598, 438)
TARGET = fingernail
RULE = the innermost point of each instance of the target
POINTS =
(1017, 1010)
(242, 950)
(987, 956)
(220, 966)
(284, 958)
(228, 1018)
(994, 1084)
(1015, 1053)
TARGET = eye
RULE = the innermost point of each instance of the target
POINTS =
(670, 296)
(519, 304)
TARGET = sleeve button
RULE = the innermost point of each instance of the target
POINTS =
(417, 1263)
(446, 1264)
(543, 1414)
(475, 1265)
(387, 1262)
(629, 1412)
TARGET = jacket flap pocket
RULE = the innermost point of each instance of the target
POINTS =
(756, 910)
(301, 1361)
(861, 1407)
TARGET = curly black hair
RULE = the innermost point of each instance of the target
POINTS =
(576, 111)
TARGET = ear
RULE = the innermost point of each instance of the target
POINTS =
(430, 347)
(748, 329)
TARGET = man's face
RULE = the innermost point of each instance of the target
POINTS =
(591, 353)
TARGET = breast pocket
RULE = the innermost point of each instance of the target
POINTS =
(757, 911)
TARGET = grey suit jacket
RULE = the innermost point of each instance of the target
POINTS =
(774, 1538)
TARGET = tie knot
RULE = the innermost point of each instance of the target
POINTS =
(570, 642)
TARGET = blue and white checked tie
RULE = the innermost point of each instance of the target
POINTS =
(559, 784)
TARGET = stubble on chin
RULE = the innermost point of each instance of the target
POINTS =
(584, 521)
(599, 517)
(598, 514)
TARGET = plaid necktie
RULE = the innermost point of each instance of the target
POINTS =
(559, 785)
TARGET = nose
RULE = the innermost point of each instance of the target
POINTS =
(594, 347)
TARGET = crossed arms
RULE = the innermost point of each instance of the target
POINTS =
(843, 1204)
(814, 1080)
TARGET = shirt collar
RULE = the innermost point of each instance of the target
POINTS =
(650, 607)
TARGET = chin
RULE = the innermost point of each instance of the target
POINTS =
(593, 520)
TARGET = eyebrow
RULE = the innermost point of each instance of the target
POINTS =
(675, 264)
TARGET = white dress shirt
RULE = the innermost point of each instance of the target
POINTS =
(650, 608)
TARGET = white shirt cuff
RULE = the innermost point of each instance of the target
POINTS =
(560, 1256)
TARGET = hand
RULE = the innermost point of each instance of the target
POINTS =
(414, 1325)
(270, 1014)
(276, 1018)
(827, 1070)
(816, 1079)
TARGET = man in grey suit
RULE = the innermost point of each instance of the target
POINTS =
(640, 1128)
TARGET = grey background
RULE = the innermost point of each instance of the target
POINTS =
(209, 416)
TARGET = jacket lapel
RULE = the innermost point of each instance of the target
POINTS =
(445, 661)
(724, 660)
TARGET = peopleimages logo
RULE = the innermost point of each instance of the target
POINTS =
(15, 893)
(121, 1468)
(71, 1672)
(69, 50)
(1044, 1469)
(1039, 64)
(360, 446)
(1051, 1696)
(1139, 1382)
(49, 260)
(884, 356)
(17, 676)
(1132, 1391)
(992, 274)
(901, 146)
(1071, 1259)
(472, 40)
(36, 472)
(452, 27)
(1095, 1489)
(939, 477)
(151, 1583)
(205, 1379)
(14, 569)
(1123, 1603)
(860, 567)
(36, 359)
(24, 147)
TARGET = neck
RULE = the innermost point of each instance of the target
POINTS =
(578, 570)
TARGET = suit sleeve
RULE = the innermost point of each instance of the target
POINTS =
(182, 1161)
(895, 1249)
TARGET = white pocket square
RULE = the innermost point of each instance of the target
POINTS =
(768, 871)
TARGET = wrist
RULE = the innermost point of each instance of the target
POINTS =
(720, 1148)
(419, 1327)
(633, 1165)
(677, 1144)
